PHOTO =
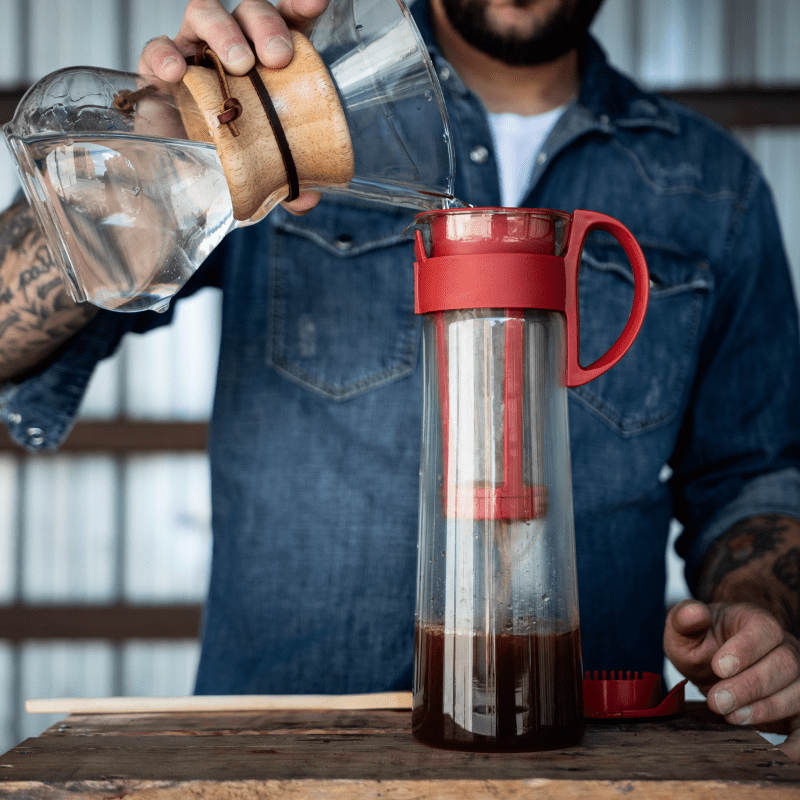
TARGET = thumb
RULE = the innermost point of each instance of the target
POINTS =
(689, 642)
(690, 620)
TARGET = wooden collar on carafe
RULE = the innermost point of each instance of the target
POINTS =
(232, 110)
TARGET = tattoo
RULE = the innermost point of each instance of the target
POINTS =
(747, 541)
(16, 224)
(40, 316)
(9, 322)
(787, 569)
(758, 560)
(62, 301)
(46, 288)
(42, 265)
(28, 276)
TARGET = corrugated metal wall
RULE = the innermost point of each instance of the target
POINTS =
(101, 529)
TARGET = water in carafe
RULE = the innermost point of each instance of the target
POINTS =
(139, 214)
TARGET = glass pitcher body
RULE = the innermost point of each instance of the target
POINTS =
(498, 661)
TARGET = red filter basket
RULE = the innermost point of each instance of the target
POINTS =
(610, 696)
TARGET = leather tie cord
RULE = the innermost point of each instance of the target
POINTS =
(125, 101)
(278, 132)
(231, 107)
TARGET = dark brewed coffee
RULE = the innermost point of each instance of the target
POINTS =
(500, 692)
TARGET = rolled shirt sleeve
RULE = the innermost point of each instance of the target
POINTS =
(773, 493)
(40, 407)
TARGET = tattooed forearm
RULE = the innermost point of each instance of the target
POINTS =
(43, 265)
(16, 224)
(758, 561)
(36, 313)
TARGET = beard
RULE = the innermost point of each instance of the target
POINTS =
(557, 34)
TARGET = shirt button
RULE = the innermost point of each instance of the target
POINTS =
(14, 418)
(479, 154)
(444, 73)
(35, 436)
(344, 242)
(604, 119)
(541, 158)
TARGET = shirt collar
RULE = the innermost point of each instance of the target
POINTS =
(611, 99)
(614, 99)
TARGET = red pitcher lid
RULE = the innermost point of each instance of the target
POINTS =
(614, 696)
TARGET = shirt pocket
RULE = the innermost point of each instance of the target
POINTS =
(647, 387)
(341, 299)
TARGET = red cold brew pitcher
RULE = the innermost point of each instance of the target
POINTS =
(497, 650)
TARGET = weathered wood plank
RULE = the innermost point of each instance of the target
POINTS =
(533, 789)
(235, 723)
(372, 754)
(605, 755)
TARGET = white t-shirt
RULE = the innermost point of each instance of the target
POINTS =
(517, 141)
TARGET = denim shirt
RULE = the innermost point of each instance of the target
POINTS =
(315, 435)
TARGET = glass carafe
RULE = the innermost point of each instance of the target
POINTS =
(497, 650)
(135, 181)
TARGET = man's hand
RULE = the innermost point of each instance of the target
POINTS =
(253, 25)
(745, 663)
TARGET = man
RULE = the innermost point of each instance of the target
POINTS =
(315, 449)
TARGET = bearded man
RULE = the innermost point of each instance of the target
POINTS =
(315, 449)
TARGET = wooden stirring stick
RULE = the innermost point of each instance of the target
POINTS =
(152, 705)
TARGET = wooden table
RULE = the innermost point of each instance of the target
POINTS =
(371, 754)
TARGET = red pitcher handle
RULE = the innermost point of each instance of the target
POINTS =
(583, 223)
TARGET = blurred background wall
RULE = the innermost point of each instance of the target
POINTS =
(104, 547)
